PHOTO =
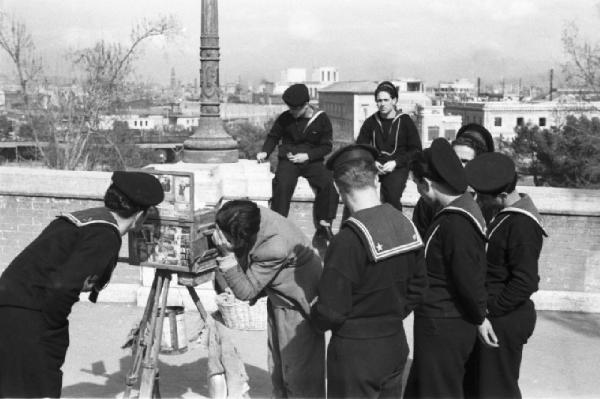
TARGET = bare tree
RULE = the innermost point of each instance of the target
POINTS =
(17, 43)
(583, 66)
(104, 70)
(67, 129)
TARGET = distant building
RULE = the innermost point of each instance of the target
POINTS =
(349, 104)
(433, 123)
(186, 114)
(325, 75)
(2, 102)
(406, 85)
(264, 94)
(321, 77)
(502, 117)
(143, 122)
(459, 89)
(229, 88)
(293, 75)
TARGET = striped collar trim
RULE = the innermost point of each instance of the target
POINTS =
(397, 117)
(525, 212)
(73, 219)
(311, 120)
(480, 226)
(380, 255)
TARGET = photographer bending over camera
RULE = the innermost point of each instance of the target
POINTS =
(263, 253)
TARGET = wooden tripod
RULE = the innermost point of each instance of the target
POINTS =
(146, 344)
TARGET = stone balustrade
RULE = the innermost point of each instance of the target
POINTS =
(30, 198)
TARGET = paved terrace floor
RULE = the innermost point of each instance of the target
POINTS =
(560, 361)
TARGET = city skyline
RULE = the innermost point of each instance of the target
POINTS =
(433, 41)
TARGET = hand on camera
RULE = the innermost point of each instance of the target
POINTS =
(223, 245)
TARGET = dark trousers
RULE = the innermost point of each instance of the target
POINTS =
(319, 178)
(392, 186)
(494, 372)
(366, 368)
(31, 355)
(441, 350)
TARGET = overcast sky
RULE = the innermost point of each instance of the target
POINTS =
(375, 39)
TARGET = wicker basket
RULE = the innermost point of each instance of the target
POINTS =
(241, 316)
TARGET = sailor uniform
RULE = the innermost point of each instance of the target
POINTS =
(445, 325)
(423, 214)
(37, 292)
(397, 140)
(515, 238)
(374, 276)
(312, 136)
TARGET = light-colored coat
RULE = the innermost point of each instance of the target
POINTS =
(283, 265)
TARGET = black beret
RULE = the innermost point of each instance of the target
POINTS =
(296, 95)
(479, 133)
(141, 188)
(351, 152)
(445, 164)
(490, 173)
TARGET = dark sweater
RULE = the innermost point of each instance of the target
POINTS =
(363, 298)
(423, 214)
(49, 274)
(399, 144)
(456, 263)
(515, 241)
(299, 136)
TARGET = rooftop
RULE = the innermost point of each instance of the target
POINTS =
(357, 87)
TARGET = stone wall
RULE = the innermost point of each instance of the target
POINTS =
(30, 198)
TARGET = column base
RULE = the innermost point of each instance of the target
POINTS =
(209, 156)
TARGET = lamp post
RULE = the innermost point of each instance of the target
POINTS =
(210, 143)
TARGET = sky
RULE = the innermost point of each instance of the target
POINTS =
(434, 40)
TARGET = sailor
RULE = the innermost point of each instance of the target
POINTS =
(515, 237)
(446, 322)
(77, 252)
(396, 138)
(471, 141)
(304, 137)
(374, 275)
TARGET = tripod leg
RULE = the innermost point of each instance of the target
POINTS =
(150, 365)
(156, 390)
(198, 303)
(139, 342)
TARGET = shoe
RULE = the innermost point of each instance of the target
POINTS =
(321, 239)
(325, 231)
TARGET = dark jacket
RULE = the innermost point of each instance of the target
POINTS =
(423, 214)
(310, 135)
(374, 275)
(400, 145)
(49, 274)
(515, 238)
(455, 256)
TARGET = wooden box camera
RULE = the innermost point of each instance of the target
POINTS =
(174, 236)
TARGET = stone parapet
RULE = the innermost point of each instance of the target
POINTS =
(31, 198)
